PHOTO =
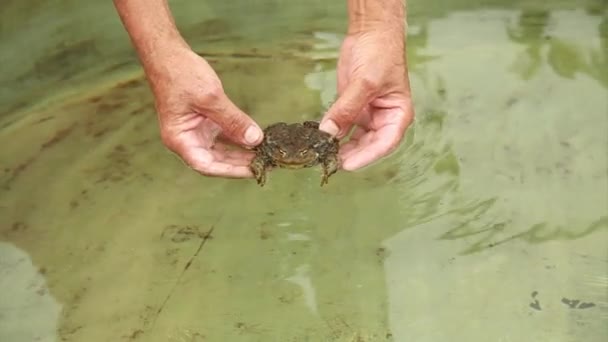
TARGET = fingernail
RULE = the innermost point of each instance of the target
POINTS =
(330, 127)
(253, 135)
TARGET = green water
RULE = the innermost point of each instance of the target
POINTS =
(490, 223)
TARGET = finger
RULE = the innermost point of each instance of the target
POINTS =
(225, 154)
(365, 154)
(222, 139)
(205, 162)
(207, 132)
(376, 144)
(351, 145)
(358, 133)
(235, 124)
(340, 117)
(347, 149)
(354, 147)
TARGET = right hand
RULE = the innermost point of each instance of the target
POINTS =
(375, 96)
(193, 111)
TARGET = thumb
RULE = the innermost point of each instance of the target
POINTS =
(342, 114)
(235, 124)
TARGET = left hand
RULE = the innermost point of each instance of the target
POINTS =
(374, 96)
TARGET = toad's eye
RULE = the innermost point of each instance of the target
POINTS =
(303, 152)
(282, 152)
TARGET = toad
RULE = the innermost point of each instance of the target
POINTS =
(295, 146)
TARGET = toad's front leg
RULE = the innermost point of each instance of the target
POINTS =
(259, 168)
(330, 166)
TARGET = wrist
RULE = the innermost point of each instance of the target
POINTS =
(373, 15)
(158, 55)
(152, 30)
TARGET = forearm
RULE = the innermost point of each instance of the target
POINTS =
(364, 15)
(151, 27)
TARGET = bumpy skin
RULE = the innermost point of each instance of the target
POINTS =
(295, 146)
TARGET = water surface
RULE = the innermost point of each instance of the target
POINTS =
(488, 224)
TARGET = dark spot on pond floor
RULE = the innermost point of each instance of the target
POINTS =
(19, 226)
(247, 328)
(65, 59)
(577, 304)
(535, 305)
(177, 233)
(391, 173)
(65, 333)
(135, 334)
(382, 253)
(58, 137)
(45, 119)
(112, 111)
(133, 83)
(95, 99)
(147, 176)
(148, 107)
(117, 168)
(16, 228)
(211, 28)
(107, 107)
(16, 172)
(74, 204)
(264, 234)
(117, 66)
(69, 328)
(101, 133)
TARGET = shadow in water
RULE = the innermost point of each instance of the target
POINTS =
(566, 58)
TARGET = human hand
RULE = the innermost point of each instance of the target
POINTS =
(374, 96)
(193, 112)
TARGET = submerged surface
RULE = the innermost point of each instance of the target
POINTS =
(490, 223)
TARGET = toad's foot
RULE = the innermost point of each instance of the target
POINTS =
(258, 168)
(330, 166)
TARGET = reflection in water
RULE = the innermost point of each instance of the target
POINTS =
(303, 280)
(480, 221)
(566, 57)
(530, 31)
(491, 215)
(28, 311)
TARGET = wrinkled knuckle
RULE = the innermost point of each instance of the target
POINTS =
(344, 118)
(369, 85)
(347, 114)
(211, 94)
(233, 125)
